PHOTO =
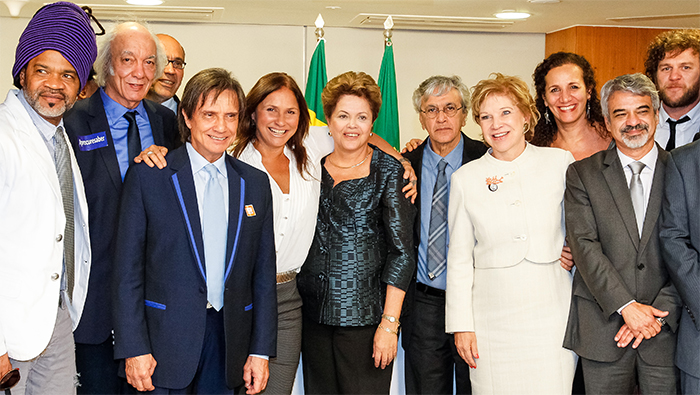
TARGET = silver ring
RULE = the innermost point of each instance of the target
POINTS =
(661, 321)
(149, 152)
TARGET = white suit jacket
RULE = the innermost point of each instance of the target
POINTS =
(31, 251)
(520, 217)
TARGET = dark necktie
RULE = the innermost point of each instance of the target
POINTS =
(133, 138)
(65, 180)
(437, 232)
(672, 138)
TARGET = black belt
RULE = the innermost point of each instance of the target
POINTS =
(428, 290)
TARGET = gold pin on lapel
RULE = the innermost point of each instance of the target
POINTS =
(249, 210)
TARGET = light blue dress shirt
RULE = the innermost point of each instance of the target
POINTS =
(428, 177)
(118, 126)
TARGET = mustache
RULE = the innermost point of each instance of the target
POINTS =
(639, 126)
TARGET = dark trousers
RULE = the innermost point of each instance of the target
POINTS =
(97, 369)
(432, 363)
(623, 375)
(338, 360)
(211, 372)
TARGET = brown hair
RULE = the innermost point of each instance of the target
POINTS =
(247, 134)
(197, 90)
(355, 84)
(672, 42)
(545, 132)
(513, 87)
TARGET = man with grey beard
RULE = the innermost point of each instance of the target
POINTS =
(673, 63)
(624, 310)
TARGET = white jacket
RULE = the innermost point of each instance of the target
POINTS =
(31, 251)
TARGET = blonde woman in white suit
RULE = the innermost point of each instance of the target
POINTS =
(507, 295)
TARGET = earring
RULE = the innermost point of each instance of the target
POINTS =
(546, 116)
(371, 134)
(588, 110)
(525, 129)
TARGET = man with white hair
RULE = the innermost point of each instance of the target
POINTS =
(107, 131)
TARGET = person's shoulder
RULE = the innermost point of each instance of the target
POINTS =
(688, 152)
(476, 145)
(247, 172)
(386, 161)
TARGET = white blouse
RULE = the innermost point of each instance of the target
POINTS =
(295, 212)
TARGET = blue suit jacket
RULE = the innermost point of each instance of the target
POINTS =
(103, 186)
(160, 296)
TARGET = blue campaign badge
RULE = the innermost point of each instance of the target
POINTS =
(92, 141)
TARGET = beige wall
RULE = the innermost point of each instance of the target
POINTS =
(251, 51)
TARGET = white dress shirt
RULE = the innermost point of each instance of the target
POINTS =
(295, 212)
(684, 131)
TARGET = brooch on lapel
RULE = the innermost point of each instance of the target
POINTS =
(249, 210)
(492, 183)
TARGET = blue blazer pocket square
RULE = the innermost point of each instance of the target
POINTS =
(156, 305)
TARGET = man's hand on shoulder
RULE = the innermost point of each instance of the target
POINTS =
(153, 156)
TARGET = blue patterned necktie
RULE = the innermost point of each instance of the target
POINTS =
(437, 232)
(65, 180)
(214, 234)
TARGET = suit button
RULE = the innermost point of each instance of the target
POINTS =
(59, 238)
(640, 266)
(54, 276)
(201, 290)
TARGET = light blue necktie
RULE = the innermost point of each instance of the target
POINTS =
(437, 232)
(214, 231)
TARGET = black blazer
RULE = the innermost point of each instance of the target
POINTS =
(472, 150)
(103, 186)
(160, 294)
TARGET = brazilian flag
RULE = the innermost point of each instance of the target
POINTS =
(387, 124)
(315, 83)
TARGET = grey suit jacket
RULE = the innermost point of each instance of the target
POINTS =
(680, 241)
(613, 265)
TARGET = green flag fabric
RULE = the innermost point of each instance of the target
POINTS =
(316, 81)
(387, 124)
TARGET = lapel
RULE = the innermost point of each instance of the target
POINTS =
(156, 122)
(617, 183)
(34, 142)
(183, 184)
(656, 195)
(236, 198)
(98, 123)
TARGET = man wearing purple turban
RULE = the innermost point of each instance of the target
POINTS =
(44, 240)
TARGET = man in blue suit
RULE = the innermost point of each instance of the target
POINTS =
(194, 293)
(129, 60)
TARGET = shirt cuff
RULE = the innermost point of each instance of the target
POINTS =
(619, 311)
(267, 358)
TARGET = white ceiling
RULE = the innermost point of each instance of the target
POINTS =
(546, 17)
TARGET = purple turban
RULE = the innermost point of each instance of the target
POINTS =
(63, 27)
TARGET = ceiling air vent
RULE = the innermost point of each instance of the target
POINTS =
(157, 13)
(427, 22)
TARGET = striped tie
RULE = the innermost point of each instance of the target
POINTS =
(65, 179)
(437, 233)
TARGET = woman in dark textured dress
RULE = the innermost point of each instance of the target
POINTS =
(361, 260)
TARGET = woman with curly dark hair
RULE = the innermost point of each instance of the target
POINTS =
(566, 97)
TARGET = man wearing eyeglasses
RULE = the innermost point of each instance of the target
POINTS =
(442, 104)
(107, 131)
(164, 89)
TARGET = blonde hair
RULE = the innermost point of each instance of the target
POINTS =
(512, 87)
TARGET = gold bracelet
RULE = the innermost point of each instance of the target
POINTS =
(385, 329)
(391, 319)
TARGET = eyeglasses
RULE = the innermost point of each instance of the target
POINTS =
(177, 64)
(450, 110)
(9, 380)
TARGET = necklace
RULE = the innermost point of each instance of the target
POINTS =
(353, 166)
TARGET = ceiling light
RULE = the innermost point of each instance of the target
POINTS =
(543, 1)
(510, 14)
(145, 2)
(333, 7)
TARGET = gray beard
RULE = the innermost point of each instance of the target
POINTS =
(47, 112)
